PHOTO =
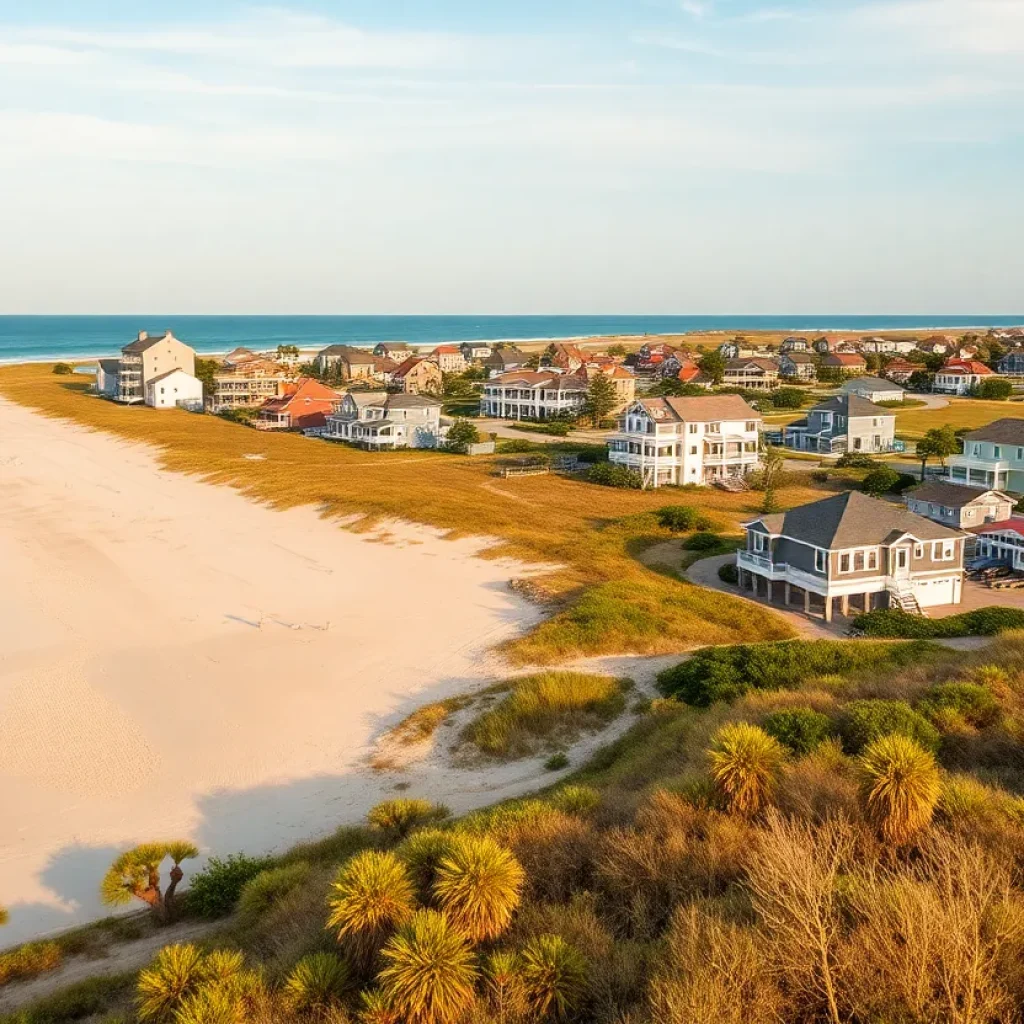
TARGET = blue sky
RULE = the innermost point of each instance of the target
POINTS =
(648, 156)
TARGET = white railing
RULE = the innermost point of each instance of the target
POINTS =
(760, 562)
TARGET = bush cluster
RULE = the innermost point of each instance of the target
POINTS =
(610, 475)
(682, 518)
(214, 891)
(896, 623)
(29, 960)
(801, 730)
(863, 721)
(703, 541)
(729, 573)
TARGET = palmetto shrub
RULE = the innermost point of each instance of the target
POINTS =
(422, 852)
(900, 786)
(478, 887)
(316, 984)
(371, 895)
(268, 888)
(554, 976)
(580, 800)
(430, 971)
(397, 818)
(176, 972)
(745, 764)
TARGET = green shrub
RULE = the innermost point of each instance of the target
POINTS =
(894, 622)
(703, 541)
(863, 721)
(725, 673)
(556, 762)
(29, 960)
(576, 799)
(995, 389)
(215, 890)
(881, 480)
(729, 573)
(973, 703)
(787, 398)
(799, 729)
(62, 369)
(515, 446)
(819, 476)
(75, 1002)
(682, 518)
(855, 460)
(609, 475)
(397, 818)
(268, 888)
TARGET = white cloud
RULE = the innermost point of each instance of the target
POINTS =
(989, 27)
(695, 8)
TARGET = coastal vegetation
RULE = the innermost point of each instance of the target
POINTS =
(802, 852)
(603, 600)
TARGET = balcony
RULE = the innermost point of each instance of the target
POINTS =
(761, 564)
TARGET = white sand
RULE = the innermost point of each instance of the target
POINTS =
(167, 670)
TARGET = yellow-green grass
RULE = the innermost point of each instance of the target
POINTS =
(610, 602)
(961, 412)
(425, 721)
(544, 709)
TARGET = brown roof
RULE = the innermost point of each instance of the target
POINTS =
(701, 408)
(844, 359)
(410, 364)
(347, 352)
(548, 378)
(850, 520)
(1004, 431)
(762, 364)
(950, 495)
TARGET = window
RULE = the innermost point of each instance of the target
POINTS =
(943, 550)
(872, 559)
(820, 560)
(844, 562)
(693, 428)
(714, 428)
(760, 542)
(997, 452)
(976, 449)
(752, 426)
(693, 449)
(1020, 454)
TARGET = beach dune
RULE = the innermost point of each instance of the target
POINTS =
(177, 661)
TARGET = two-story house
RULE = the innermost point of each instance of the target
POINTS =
(841, 424)
(900, 370)
(147, 357)
(754, 374)
(345, 362)
(305, 405)
(1012, 364)
(248, 384)
(418, 375)
(797, 365)
(958, 505)
(623, 382)
(397, 350)
(504, 360)
(472, 351)
(1003, 541)
(795, 344)
(993, 457)
(854, 551)
(847, 363)
(961, 377)
(449, 358)
(534, 395)
(378, 420)
(675, 441)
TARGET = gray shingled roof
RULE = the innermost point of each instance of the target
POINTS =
(852, 520)
(1005, 431)
(353, 355)
(109, 365)
(950, 495)
(852, 405)
(872, 383)
(412, 402)
(141, 344)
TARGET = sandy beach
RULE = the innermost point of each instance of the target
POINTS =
(177, 661)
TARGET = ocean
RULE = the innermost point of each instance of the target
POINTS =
(41, 338)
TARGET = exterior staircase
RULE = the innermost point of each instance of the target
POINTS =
(903, 597)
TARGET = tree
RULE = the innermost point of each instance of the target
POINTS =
(872, 362)
(136, 873)
(900, 786)
(461, 435)
(788, 398)
(745, 765)
(288, 351)
(995, 389)
(430, 971)
(478, 887)
(712, 365)
(553, 975)
(831, 375)
(204, 371)
(371, 895)
(673, 387)
(921, 380)
(937, 443)
(617, 350)
(880, 481)
(601, 397)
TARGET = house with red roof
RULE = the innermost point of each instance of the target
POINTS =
(1004, 541)
(899, 370)
(419, 375)
(449, 358)
(961, 376)
(305, 405)
(851, 363)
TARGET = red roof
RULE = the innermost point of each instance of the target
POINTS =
(1016, 525)
(446, 350)
(966, 366)
(308, 387)
(849, 358)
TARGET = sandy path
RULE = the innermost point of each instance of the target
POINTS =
(178, 661)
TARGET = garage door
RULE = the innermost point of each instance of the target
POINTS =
(933, 592)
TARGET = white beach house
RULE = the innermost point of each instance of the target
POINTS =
(374, 419)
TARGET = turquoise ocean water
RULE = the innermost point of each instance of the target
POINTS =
(24, 338)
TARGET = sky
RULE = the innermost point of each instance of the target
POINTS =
(536, 156)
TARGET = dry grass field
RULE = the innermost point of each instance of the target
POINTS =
(604, 600)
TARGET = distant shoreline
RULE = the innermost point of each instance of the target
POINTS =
(528, 341)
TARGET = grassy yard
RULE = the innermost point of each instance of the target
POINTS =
(604, 601)
(961, 412)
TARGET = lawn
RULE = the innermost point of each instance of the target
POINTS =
(961, 412)
(604, 601)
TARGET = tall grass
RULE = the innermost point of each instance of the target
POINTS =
(545, 707)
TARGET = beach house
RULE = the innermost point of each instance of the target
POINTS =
(175, 389)
(795, 364)
(698, 440)
(248, 384)
(845, 423)
(397, 350)
(502, 360)
(874, 389)
(534, 395)
(795, 344)
(147, 357)
(474, 351)
(845, 363)
(107, 372)
(753, 374)
(993, 457)
(344, 363)
(959, 505)
(1003, 541)
(622, 380)
(418, 375)
(900, 370)
(375, 419)
(855, 552)
(305, 405)
(449, 358)
(961, 377)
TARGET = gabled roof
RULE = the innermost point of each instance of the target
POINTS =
(144, 342)
(851, 405)
(871, 384)
(850, 520)
(169, 373)
(798, 357)
(307, 387)
(109, 365)
(762, 364)
(347, 352)
(448, 350)
(410, 364)
(542, 378)
(952, 495)
(412, 402)
(966, 366)
(700, 408)
(845, 359)
(1005, 431)
(506, 356)
(1015, 523)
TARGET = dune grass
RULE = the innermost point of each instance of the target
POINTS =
(421, 725)
(546, 709)
(609, 603)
